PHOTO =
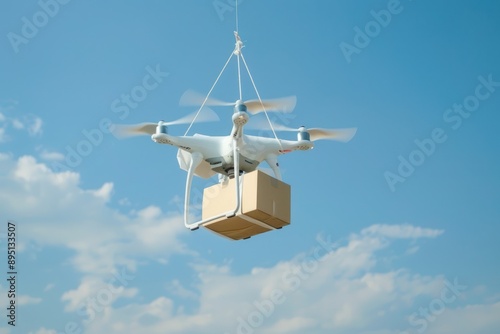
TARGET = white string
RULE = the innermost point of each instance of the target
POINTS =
(239, 76)
(239, 51)
(260, 100)
(208, 95)
(237, 28)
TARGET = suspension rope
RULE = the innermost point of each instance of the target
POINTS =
(237, 28)
(237, 51)
(260, 100)
(209, 92)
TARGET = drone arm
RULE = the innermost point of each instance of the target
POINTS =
(206, 145)
(259, 148)
(267, 147)
(196, 159)
(288, 146)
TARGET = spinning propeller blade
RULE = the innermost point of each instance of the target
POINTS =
(343, 135)
(121, 131)
(286, 104)
(192, 98)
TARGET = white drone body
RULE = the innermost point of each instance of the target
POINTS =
(214, 155)
(237, 153)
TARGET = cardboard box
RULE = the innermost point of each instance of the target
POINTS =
(265, 205)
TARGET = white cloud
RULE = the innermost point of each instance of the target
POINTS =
(22, 299)
(35, 126)
(28, 122)
(328, 288)
(27, 300)
(17, 124)
(176, 288)
(3, 135)
(44, 331)
(104, 192)
(315, 292)
(50, 155)
(93, 294)
(54, 210)
(477, 319)
(124, 202)
(293, 325)
(49, 287)
(401, 231)
(28, 192)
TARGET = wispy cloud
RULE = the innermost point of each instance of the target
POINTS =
(49, 287)
(35, 126)
(43, 330)
(406, 231)
(3, 135)
(344, 290)
(475, 318)
(22, 299)
(30, 123)
(27, 300)
(100, 239)
(50, 155)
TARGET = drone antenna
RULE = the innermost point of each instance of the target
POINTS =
(237, 28)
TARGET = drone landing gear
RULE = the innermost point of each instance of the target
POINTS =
(261, 203)
(196, 159)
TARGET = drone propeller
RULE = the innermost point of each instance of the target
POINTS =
(285, 104)
(207, 115)
(343, 135)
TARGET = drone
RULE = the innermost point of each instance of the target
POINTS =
(232, 155)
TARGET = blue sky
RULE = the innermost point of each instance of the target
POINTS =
(394, 232)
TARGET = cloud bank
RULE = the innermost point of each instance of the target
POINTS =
(331, 287)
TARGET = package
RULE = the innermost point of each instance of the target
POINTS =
(265, 206)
